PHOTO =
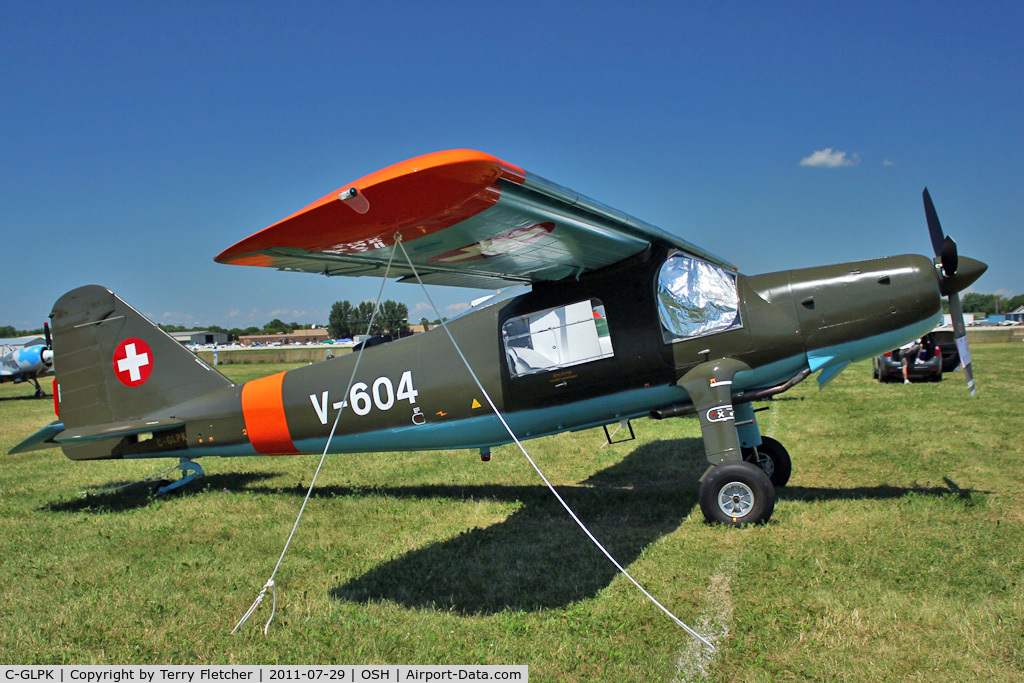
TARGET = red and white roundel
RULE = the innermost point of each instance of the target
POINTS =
(133, 361)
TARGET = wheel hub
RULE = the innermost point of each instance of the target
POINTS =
(736, 499)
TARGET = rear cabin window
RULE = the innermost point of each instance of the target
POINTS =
(696, 298)
(557, 338)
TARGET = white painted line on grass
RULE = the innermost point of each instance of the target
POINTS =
(715, 622)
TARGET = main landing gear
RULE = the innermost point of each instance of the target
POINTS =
(772, 457)
(737, 493)
(39, 390)
(739, 487)
(189, 470)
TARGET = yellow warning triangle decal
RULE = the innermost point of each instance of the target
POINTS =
(476, 404)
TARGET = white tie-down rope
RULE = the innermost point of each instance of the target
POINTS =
(547, 483)
(269, 585)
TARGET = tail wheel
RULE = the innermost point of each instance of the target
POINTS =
(737, 493)
(772, 457)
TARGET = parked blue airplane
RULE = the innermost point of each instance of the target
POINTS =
(21, 360)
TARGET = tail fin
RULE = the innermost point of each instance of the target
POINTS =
(114, 366)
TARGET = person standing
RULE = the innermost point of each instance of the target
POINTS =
(908, 356)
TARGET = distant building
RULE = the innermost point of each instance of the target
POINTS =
(200, 337)
(316, 336)
(22, 341)
(947, 319)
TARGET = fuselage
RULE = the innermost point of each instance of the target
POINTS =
(566, 356)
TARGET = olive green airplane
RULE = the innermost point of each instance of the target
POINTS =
(620, 320)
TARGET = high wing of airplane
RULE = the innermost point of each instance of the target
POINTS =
(622, 320)
(26, 360)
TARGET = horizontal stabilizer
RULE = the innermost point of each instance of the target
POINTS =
(44, 438)
(115, 429)
(54, 434)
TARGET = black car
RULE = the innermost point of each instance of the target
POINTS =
(927, 367)
(950, 354)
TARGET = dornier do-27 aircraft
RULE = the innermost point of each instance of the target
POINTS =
(621, 320)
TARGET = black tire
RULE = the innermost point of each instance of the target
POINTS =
(156, 485)
(737, 493)
(772, 457)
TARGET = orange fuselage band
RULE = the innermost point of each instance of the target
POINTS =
(265, 421)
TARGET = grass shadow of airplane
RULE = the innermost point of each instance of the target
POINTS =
(139, 494)
(881, 492)
(539, 559)
(27, 398)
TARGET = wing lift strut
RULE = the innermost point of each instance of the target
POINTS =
(270, 583)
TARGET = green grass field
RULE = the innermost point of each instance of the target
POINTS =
(894, 553)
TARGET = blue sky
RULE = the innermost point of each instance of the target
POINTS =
(138, 140)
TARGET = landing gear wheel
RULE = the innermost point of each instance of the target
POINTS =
(157, 484)
(772, 457)
(737, 493)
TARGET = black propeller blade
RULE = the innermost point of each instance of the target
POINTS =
(934, 228)
(948, 257)
(946, 254)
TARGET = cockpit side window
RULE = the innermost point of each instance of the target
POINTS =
(696, 298)
(557, 338)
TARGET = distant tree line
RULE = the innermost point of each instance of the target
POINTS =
(987, 303)
(347, 320)
(7, 331)
(275, 326)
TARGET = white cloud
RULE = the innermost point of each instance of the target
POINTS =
(291, 314)
(829, 158)
(888, 162)
(421, 309)
(455, 309)
(174, 318)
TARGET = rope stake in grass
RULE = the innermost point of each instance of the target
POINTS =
(501, 418)
(323, 457)
(255, 605)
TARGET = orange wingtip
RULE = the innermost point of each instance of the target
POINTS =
(419, 196)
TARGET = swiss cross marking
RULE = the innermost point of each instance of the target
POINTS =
(133, 362)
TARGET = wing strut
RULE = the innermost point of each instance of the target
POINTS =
(269, 585)
(537, 469)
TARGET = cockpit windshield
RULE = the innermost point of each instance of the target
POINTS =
(696, 298)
